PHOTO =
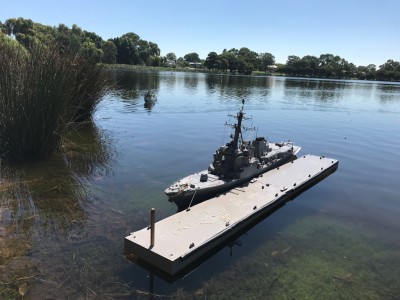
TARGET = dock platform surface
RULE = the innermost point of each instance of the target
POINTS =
(188, 235)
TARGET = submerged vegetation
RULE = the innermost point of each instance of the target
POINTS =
(52, 203)
(343, 263)
(43, 94)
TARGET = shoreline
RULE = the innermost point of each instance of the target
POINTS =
(124, 67)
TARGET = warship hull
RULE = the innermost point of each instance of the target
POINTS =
(197, 191)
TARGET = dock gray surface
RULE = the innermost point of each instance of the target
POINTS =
(185, 236)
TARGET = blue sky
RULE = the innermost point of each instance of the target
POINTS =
(360, 31)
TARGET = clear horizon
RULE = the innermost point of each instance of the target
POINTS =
(362, 32)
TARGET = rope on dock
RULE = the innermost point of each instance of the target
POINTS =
(190, 204)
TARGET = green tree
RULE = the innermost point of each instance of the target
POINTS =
(231, 56)
(12, 45)
(326, 59)
(76, 30)
(293, 64)
(127, 52)
(389, 71)
(90, 52)
(243, 60)
(265, 60)
(154, 50)
(94, 38)
(309, 65)
(180, 62)
(147, 51)
(212, 61)
(155, 61)
(371, 71)
(15, 26)
(224, 64)
(109, 52)
(21, 29)
(144, 53)
(244, 67)
(30, 33)
(69, 40)
(171, 56)
(390, 65)
(371, 68)
(249, 57)
(192, 57)
(168, 60)
(132, 50)
(362, 72)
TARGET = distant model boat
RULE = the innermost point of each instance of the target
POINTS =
(150, 97)
(235, 163)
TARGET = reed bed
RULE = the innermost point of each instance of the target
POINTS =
(43, 94)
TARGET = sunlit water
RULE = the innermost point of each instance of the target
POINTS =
(63, 221)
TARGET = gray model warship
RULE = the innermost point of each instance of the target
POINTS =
(235, 163)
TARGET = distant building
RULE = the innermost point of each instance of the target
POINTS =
(171, 63)
(195, 64)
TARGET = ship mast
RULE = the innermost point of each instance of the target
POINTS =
(238, 129)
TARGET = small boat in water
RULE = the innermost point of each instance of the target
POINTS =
(150, 96)
(235, 163)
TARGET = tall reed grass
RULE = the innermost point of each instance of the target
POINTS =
(43, 94)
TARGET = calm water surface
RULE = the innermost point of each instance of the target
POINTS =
(63, 221)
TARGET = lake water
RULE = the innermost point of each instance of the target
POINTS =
(63, 220)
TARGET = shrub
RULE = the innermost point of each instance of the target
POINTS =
(43, 93)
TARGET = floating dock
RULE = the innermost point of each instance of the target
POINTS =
(180, 240)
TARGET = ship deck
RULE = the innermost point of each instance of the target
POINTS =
(187, 236)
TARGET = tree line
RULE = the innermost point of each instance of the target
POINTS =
(245, 61)
(132, 50)
(333, 66)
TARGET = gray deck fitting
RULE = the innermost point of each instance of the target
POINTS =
(183, 238)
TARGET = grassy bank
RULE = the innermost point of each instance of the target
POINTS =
(122, 67)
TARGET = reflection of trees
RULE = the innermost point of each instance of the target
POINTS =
(50, 193)
(130, 85)
(88, 152)
(169, 80)
(387, 92)
(321, 90)
(41, 202)
(238, 86)
(191, 81)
